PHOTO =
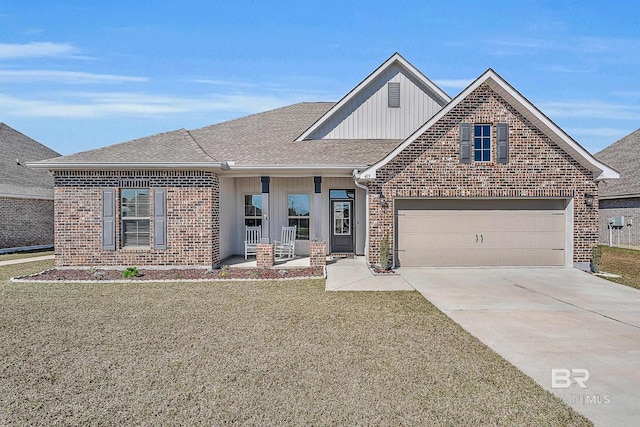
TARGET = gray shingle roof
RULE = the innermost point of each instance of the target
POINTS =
(263, 139)
(175, 146)
(18, 179)
(624, 156)
(269, 139)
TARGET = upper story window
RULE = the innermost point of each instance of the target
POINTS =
(134, 203)
(299, 206)
(253, 210)
(482, 143)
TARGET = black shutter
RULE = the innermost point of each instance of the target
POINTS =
(109, 219)
(502, 132)
(465, 143)
(159, 218)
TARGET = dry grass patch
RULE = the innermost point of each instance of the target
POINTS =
(624, 262)
(268, 353)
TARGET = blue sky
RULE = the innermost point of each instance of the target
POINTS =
(77, 75)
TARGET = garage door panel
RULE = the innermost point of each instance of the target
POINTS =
(522, 240)
(474, 258)
(438, 258)
(443, 240)
(435, 221)
(482, 237)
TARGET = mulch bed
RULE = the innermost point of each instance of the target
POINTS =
(233, 273)
(379, 271)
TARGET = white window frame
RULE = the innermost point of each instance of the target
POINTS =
(297, 218)
(137, 219)
(256, 218)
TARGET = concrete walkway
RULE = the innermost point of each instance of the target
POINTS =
(544, 319)
(352, 274)
(23, 260)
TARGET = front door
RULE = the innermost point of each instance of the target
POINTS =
(342, 226)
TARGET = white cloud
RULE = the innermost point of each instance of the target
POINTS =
(518, 46)
(590, 50)
(36, 49)
(33, 31)
(627, 93)
(237, 87)
(65, 77)
(609, 133)
(453, 83)
(225, 83)
(127, 104)
(568, 69)
(590, 109)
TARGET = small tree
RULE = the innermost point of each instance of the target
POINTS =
(384, 252)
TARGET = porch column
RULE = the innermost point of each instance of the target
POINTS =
(265, 206)
(317, 208)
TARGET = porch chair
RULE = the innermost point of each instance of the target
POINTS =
(286, 245)
(252, 236)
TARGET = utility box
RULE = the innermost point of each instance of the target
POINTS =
(616, 221)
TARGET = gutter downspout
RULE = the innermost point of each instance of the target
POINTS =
(356, 175)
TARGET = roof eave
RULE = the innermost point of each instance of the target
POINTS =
(129, 166)
(291, 170)
(27, 196)
(620, 196)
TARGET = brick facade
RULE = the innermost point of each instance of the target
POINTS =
(25, 222)
(627, 235)
(537, 168)
(193, 235)
(318, 254)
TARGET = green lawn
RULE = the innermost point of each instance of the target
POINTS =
(272, 353)
(624, 262)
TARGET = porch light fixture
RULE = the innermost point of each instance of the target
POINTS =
(382, 200)
(588, 199)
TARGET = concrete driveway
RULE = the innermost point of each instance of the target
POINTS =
(544, 319)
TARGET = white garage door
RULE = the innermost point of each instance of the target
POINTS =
(510, 235)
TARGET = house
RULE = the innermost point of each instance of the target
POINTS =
(481, 179)
(620, 199)
(26, 195)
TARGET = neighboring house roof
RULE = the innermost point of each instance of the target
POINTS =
(396, 68)
(16, 179)
(624, 155)
(258, 141)
(523, 106)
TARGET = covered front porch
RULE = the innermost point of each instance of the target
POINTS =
(323, 208)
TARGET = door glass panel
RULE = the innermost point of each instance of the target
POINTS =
(341, 218)
(342, 194)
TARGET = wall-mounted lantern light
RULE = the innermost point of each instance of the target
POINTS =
(588, 199)
(382, 200)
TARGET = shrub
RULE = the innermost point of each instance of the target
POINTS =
(596, 256)
(130, 272)
(384, 252)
